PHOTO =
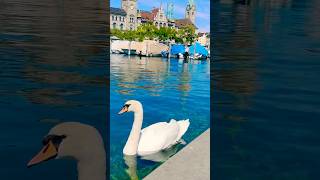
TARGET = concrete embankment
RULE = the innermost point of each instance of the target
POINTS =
(191, 163)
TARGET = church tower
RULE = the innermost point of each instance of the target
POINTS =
(191, 11)
(130, 6)
(170, 9)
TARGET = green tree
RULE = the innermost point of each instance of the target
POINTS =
(148, 31)
(188, 34)
(130, 35)
(117, 33)
(165, 33)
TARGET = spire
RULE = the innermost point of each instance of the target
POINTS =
(191, 2)
(170, 9)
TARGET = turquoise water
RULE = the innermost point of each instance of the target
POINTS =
(167, 89)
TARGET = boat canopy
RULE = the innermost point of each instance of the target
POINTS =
(177, 48)
(199, 49)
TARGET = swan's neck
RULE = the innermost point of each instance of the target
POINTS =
(131, 146)
(92, 168)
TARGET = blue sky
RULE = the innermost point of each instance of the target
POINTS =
(203, 10)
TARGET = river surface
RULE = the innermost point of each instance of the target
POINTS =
(53, 67)
(171, 89)
(266, 90)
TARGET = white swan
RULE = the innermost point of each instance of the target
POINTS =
(80, 141)
(154, 138)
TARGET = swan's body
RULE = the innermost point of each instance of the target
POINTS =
(154, 138)
(80, 141)
(161, 136)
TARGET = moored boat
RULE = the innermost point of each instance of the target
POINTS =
(198, 52)
(132, 51)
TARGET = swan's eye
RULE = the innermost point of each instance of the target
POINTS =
(55, 139)
(124, 109)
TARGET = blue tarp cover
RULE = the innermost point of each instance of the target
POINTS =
(177, 48)
(199, 49)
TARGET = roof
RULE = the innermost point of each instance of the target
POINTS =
(146, 15)
(154, 12)
(184, 22)
(149, 16)
(117, 11)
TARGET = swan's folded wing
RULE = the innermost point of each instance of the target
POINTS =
(157, 137)
(183, 127)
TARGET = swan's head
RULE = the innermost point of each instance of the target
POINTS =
(131, 106)
(70, 139)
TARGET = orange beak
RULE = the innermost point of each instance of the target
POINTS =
(49, 151)
(123, 110)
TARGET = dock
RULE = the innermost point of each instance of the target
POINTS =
(192, 162)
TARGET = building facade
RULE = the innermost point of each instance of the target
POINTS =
(118, 18)
(130, 7)
(156, 16)
(204, 39)
(129, 17)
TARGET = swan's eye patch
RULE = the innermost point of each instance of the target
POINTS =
(126, 105)
(55, 139)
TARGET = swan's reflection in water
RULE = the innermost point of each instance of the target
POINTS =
(131, 162)
(161, 156)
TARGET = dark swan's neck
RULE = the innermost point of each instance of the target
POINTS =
(93, 167)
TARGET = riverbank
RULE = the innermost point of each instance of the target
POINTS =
(192, 162)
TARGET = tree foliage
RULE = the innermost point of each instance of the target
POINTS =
(148, 31)
(188, 34)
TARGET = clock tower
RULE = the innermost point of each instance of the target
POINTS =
(191, 11)
(130, 6)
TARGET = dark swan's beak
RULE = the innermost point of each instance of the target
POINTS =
(124, 109)
(49, 151)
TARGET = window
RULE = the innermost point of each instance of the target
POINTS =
(131, 18)
(160, 24)
(116, 18)
(112, 18)
(121, 26)
(114, 25)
